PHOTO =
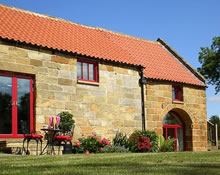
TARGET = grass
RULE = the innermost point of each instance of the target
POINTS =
(182, 163)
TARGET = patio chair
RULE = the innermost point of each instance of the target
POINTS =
(30, 136)
(64, 138)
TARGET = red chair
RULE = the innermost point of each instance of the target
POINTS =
(65, 138)
(30, 136)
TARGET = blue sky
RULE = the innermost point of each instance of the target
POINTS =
(184, 25)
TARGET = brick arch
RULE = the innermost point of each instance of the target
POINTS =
(186, 117)
(178, 108)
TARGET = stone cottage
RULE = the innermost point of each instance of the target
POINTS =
(109, 81)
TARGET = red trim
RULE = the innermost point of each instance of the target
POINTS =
(14, 106)
(179, 90)
(175, 132)
(172, 126)
(31, 106)
(14, 77)
(95, 70)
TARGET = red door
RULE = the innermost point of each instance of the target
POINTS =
(171, 131)
(16, 104)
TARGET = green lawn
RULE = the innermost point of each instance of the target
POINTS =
(185, 163)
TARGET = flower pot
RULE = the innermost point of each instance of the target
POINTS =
(67, 149)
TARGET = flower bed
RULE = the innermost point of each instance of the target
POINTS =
(138, 141)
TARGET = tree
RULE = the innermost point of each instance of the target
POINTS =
(210, 60)
(216, 120)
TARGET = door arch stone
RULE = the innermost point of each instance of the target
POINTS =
(184, 116)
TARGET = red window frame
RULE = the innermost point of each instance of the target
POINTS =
(95, 70)
(175, 132)
(179, 91)
(14, 107)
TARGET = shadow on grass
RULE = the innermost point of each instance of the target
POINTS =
(122, 168)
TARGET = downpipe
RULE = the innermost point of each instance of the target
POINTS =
(142, 82)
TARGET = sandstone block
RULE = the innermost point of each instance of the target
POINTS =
(94, 122)
(61, 60)
(94, 107)
(36, 62)
(40, 119)
(53, 72)
(129, 123)
(18, 52)
(42, 102)
(110, 68)
(18, 68)
(82, 121)
(43, 86)
(42, 70)
(38, 55)
(4, 49)
(7, 58)
(64, 81)
(86, 130)
(22, 60)
(52, 65)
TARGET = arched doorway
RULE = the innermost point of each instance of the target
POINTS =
(173, 127)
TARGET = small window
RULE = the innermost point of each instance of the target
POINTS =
(177, 93)
(87, 70)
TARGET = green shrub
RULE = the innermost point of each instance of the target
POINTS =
(120, 140)
(66, 121)
(150, 134)
(160, 141)
(168, 146)
(115, 149)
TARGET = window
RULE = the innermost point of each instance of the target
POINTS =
(16, 104)
(177, 93)
(87, 70)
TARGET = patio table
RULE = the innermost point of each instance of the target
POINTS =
(50, 133)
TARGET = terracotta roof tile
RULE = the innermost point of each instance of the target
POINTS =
(59, 34)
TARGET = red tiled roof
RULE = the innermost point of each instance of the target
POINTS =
(59, 34)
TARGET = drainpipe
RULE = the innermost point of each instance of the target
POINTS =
(142, 82)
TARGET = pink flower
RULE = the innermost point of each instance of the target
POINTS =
(101, 149)
(94, 134)
(105, 141)
(78, 144)
(86, 152)
(100, 141)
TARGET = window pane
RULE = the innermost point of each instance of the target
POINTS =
(173, 93)
(23, 103)
(85, 71)
(171, 119)
(91, 72)
(5, 105)
(79, 70)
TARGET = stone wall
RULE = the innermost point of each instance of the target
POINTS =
(113, 104)
(192, 112)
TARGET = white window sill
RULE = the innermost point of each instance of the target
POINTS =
(177, 102)
(88, 82)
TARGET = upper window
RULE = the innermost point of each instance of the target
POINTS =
(87, 70)
(177, 93)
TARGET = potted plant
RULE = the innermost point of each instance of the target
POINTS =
(67, 126)
(66, 121)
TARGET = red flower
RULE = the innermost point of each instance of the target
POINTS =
(101, 149)
(78, 144)
(86, 152)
